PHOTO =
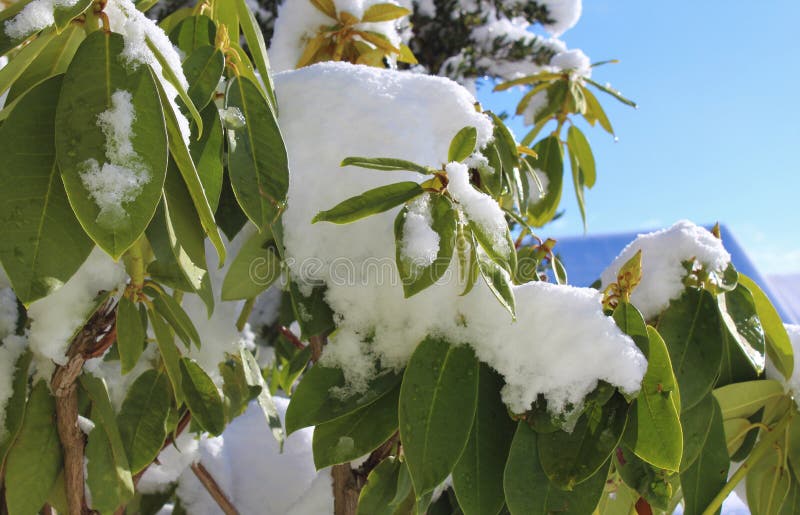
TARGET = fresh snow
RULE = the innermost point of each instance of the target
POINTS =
(55, 318)
(120, 179)
(299, 21)
(34, 17)
(565, 14)
(384, 113)
(574, 60)
(792, 385)
(663, 254)
(420, 244)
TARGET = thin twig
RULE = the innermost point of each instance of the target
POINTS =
(289, 335)
(213, 489)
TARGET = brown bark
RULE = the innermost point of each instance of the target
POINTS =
(96, 336)
(316, 343)
(213, 489)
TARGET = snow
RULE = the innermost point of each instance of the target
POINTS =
(55, 318)
(384, 113)
(537, 102)
(298, 22)
(34, 17)
(122, 176)
(10, 351)
(85, 425)
(793, 384)
(426, 7)
(565, 14)
(663, 254)
(479, 207)
(420, 244)
(247, 464)
(574, 60)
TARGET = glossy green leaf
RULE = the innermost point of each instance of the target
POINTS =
(349, 437)
(254, 269)
(175, 315)
(743, 400)
(15, 406)
(63, 15)
(131, 334)
(311, 312)
(315, 400)
(386, 164)
(143, 416)
(779, 348)
(738, 312)
(257, 160)
(478, 475)
(611, 91)
(499, 283)
(384, 12)
(34, 460)
(12, 71)
(377, 200)
(528, 491)
(652, 483)
(202, 397)
(203, 69)
(174, 76)
(183, 159)
(491, 176)
(696, 423)
(580, 148)
(96, 73)
(704, 478)
(112, 482)
(551, 163)
(206, 153)
(169, 352)
(165, 269)
(43, 244)
(595, 111)
(653, 431)
(438, 398)
(53, 60)
(378, 496)
(254, 378)
(691, 329)
(571, 458)
(463, 144)
(258, 48)
(193, 32)
(416, 275)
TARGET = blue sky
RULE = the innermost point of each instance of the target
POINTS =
(717, 132)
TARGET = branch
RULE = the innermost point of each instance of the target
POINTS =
(347, 483)
(213, 488)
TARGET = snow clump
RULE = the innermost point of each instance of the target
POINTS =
(663, 255)
(792, 385)
(564, 13)
(34, 17)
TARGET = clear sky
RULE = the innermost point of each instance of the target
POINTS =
(717, 132)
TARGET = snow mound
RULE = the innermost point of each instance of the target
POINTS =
(793, 384)
(34, 17)
(383, 113)
(564, 13)
(663, 254)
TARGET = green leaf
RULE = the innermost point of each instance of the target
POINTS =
(254, 269)
(202, 397)
(318, 398)
(53, 60)
(768, 484)
(691, 329)
(708, 474)
(438, 398)
(112, 484)
(252, 374)
(34, 460)
(378, 496)
(492, 176)
(165, 269)
(696, 423)
(131, 334)
(183, 159)
(258, 49)
(192, 33)
(528, 490)
(499, 283)
(143, 417)
(653, 484)
(463, 144)
(579, 146)
(206, 153)
(478, 475)
(578, 184)
(384, 12)
(169, 352)
(43, 244)
(779, 348)
(64, 15)
(386, 164)
(551, 163)
(356, 434)
(738, 312)
(417, 276)
(743, 400)
(312, 313)
(571, 458)
(257, 160)
(236, 392)
(611, 91)
(595, 112)
(653, 431)
(15, 406)
(370, 202)
(174, 314)
(172, 76)
(203, 69)
(96, 73)
(12, 71)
